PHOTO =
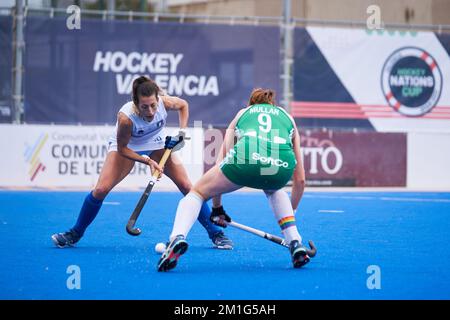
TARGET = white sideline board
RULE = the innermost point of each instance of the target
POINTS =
(62, 156)
(428, 156)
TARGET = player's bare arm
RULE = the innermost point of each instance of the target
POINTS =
(228, 140)
(181, 105)
(298, 178)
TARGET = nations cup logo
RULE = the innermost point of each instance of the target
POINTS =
(411, 81)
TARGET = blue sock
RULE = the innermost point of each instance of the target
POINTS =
(88, 212)
(203, 218)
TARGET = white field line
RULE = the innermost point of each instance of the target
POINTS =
(331, 211)
(378, 198)
(415, 199)
(112, 203)
(339, 197)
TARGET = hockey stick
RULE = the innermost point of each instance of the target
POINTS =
(137, 211)
(311, 252)
(260, 233)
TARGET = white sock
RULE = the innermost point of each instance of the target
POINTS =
(282, 208)
(187, 213)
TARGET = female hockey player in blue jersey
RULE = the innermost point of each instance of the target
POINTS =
(140, 137)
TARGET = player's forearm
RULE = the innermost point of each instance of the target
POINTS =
(217, 201)
(130, 154)
(298, 187)
(228, 143)
(298, 178)
(297, 193)
(220, 154)
(183, 115)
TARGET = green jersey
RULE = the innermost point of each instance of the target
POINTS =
(267, 123)
(263, 157)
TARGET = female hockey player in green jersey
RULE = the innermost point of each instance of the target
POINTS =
(266, 156)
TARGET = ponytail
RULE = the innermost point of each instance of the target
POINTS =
(262, 96)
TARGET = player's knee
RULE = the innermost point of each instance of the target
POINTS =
(100, 192)
(185, 187)
(200, 194)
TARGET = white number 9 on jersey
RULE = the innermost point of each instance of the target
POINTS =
(265, 122)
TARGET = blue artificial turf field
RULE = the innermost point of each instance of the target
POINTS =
(406, 235)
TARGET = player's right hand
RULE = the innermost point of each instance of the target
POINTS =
(219, 217)
(154, 166)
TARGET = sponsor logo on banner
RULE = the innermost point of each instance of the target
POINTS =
(73, 156)
(354, 159)
(32, 156)
(411, 81)
(65, 153)
(161, 67)
(324, 158)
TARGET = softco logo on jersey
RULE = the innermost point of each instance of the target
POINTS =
(269, 160)
(411, 81)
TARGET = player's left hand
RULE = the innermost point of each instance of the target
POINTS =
(219, 217)
(176, 140)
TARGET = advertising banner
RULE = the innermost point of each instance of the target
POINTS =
(85, 75)
(344, 159)
(361, 159)
(73, 156)
(382, 80)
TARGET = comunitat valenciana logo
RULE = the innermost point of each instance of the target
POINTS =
(32, 156)
(411, 81)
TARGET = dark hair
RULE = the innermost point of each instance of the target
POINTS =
(144, 86)
(260, 96)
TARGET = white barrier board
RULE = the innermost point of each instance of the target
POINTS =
(428, 161)
(72, 156)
